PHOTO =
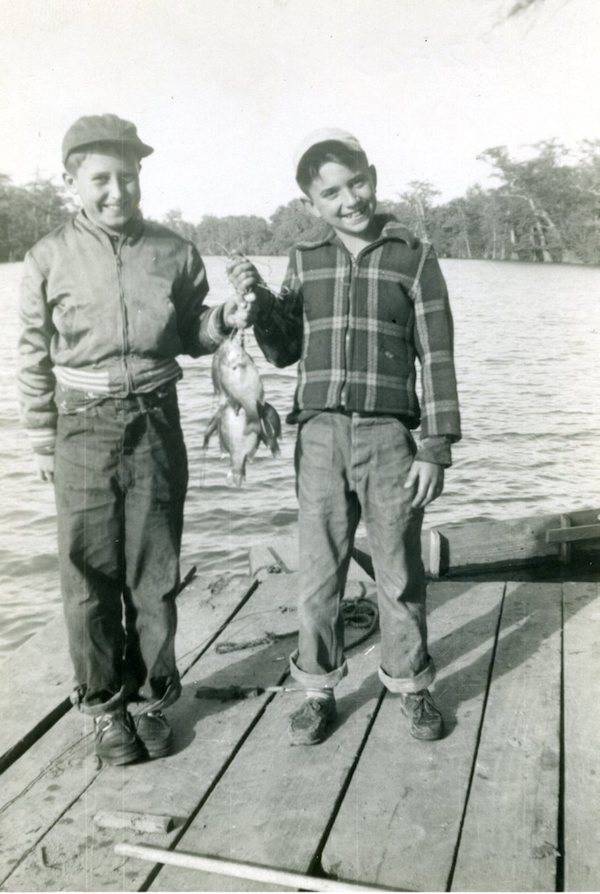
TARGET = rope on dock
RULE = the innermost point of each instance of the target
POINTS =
(360, 613)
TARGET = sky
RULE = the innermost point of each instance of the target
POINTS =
(225, 89)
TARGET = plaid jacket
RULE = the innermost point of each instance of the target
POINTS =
(356, 326)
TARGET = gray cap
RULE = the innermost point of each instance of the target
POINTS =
(326, 135)
(103, 129)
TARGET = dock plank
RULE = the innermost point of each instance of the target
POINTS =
(274, 803)
(78, 856)
(400, 818)
(510, 833)
(43, 782)
(33, 694)
(581, 727)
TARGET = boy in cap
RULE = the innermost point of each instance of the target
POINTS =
(108, 302)
(356, 308)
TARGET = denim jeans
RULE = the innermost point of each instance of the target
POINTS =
(348, 466)
(120, 482)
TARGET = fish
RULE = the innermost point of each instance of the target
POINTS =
(243, 418)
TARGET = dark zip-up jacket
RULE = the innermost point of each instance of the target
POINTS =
(108, 316)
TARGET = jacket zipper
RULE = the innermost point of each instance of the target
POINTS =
(119, 263)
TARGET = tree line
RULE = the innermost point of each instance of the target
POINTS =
(544, 208)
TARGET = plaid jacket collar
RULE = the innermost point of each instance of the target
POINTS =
(390, 230)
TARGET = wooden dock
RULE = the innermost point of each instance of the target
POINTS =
(509, 800)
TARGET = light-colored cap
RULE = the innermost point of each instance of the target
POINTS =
(326, 135)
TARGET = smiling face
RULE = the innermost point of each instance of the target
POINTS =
(108, 185)
(345, 198)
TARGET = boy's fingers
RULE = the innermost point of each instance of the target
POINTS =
(430, 495)
(420, 494)
(238, 265)
(246, 281)
(410, 478)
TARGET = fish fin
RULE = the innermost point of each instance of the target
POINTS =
(211, 428)
(270, 426)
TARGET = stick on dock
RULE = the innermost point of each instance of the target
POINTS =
(238, 870)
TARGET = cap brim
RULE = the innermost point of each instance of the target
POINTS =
(142, 150)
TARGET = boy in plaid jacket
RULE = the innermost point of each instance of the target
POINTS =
(357, 307)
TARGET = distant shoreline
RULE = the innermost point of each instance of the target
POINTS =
(570, 262)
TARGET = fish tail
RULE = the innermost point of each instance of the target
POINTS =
(237, 477)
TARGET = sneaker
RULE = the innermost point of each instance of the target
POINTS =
(115, 739)
(426, 722)
(156, 734)
(313, 721)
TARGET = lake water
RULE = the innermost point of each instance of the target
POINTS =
(527, 349)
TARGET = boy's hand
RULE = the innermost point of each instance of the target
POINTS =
(45, 467)
(427, 479)
(243, 275)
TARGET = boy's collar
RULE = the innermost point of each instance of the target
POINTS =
(390, 229)
(131, 230)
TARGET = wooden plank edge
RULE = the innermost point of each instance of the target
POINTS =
(41, 728)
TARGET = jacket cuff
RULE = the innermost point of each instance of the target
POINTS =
(265, 303)
(42, 440)
(435, 449)
(216, 329)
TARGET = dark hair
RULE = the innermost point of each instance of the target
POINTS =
(75, 159)
(313, 160)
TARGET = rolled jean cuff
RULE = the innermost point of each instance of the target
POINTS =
(172, 693)
(316, 681)
(409, 684)
(103, 707)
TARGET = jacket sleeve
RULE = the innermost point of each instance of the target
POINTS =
(201, 328)
(279, 327)
(434, 342)
(35, 376)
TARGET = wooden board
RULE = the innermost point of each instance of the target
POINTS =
(401, 816)
(274, 803)
(37, 789)
(480, 544)
(76, 855)
(581, 732)
(510, 833)
(280, 549)
(34, 692)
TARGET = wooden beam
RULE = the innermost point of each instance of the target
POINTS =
(509, 839)
(571, 535)
(400, 818)
(581, 726)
